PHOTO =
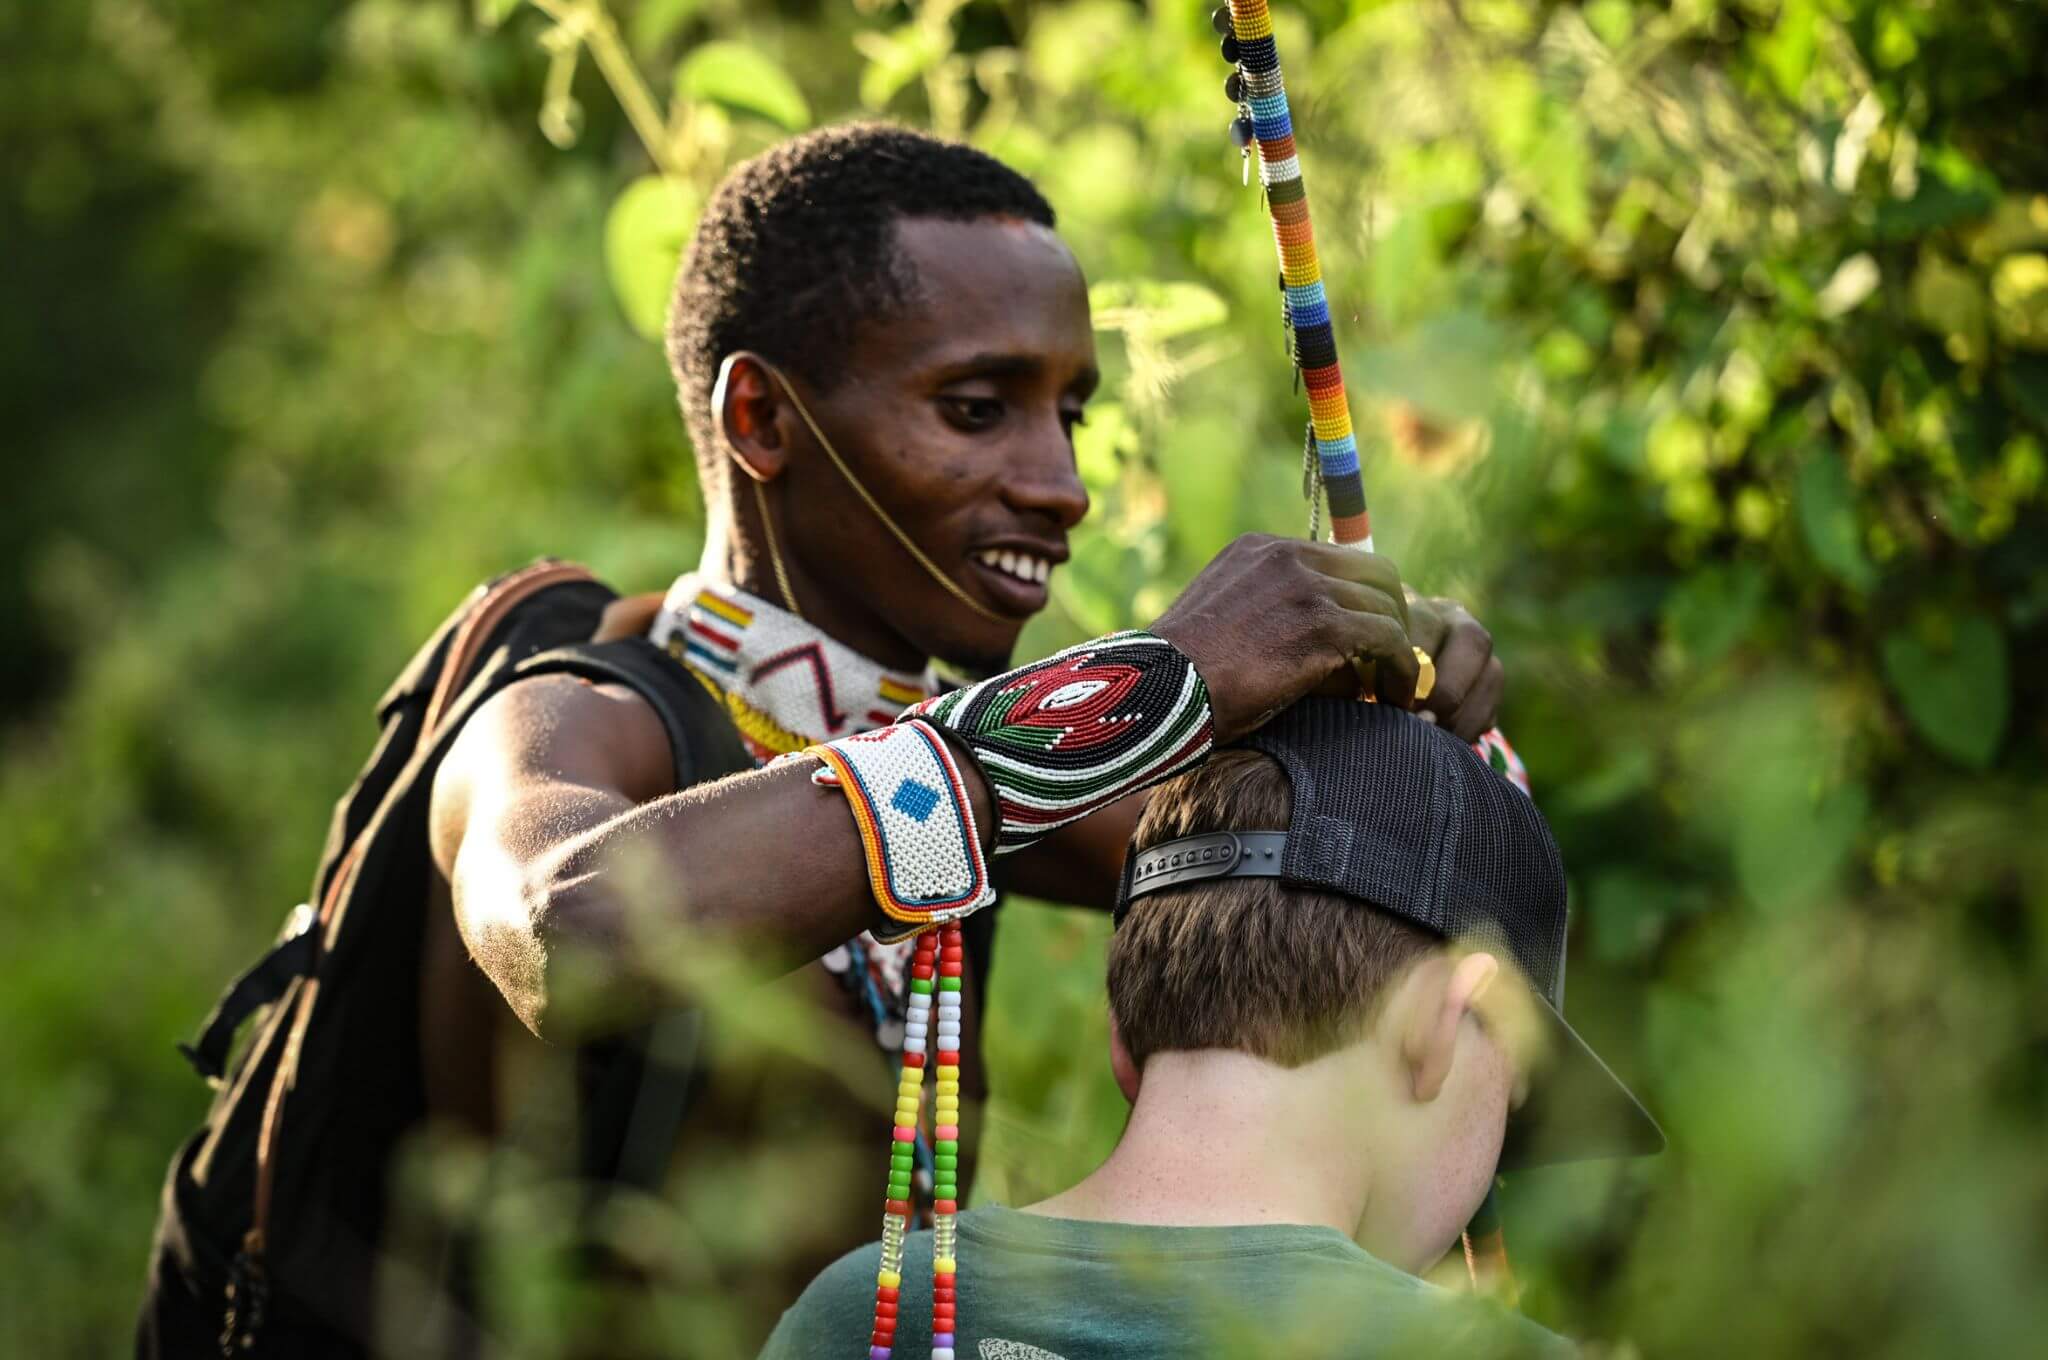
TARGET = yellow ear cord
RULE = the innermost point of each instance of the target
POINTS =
(916, 553)
(775, 552)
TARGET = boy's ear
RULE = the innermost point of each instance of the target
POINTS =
(747, 404)
(1120, 1065)
(1448, 988)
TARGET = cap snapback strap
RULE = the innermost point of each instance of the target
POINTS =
(1191, 859)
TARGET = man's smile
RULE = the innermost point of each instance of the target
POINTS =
(1014, 573)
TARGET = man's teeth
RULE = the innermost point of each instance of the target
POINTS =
(1023, 566)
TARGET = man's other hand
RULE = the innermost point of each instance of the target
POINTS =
(1469, 677)
(1272, 619)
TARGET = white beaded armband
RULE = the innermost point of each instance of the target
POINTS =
(917, 829)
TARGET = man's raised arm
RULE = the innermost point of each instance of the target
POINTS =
(556, 823)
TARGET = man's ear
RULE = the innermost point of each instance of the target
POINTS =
(1448, 989)
(747, 404)
(1121, 1067)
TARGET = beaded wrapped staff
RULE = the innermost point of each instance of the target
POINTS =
(1260, 92)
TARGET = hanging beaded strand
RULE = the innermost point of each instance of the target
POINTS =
(936, 968)
(946, 1140)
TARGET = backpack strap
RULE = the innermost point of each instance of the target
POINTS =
(434, 678)
(260, 984)
(705, 743)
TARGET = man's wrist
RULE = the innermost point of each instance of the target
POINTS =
(1058, 739)
(980, 792)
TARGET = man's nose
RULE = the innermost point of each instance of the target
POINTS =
(1045, 481)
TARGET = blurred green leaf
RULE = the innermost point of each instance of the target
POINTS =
(741, 77)
(1827, 512)
(1949, 301)
(1937, 203)
(1956, 692)
(894, 60)
(491, 13)
(1629, 908)
(1713, 610)
(654, 22)
(644, 235)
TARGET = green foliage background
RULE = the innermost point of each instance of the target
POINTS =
(1702, 347)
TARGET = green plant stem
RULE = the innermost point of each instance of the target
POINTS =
(592, 22)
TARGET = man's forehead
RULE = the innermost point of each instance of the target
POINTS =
(999, 284)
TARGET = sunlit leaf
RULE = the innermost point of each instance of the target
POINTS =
(644, 235)
(742, 78)
(1788, 49)
(1161, 310)
(1948, 299)
(894, 60)
(1855, 279)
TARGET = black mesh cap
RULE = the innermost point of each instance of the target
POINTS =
(1399, 814)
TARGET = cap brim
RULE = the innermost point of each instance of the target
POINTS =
(1577, 1109)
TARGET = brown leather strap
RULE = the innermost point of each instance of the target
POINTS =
(469, 639)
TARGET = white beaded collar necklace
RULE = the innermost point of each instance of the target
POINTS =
(786, 683)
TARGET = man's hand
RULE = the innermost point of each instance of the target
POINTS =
(1469, 677)
(1272, 619)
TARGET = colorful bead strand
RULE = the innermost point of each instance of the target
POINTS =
(1301, 272)
(946, 1140)
(936, 968)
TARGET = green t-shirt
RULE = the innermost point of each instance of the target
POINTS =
(1036, 1288)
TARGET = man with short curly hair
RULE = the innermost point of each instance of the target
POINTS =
(881, 348)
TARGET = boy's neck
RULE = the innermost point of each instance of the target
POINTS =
(1218, 1138)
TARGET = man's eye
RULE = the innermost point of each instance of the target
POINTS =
(972, 413)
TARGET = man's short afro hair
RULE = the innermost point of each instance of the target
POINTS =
(794, 249)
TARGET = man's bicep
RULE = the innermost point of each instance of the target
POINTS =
(542, 761)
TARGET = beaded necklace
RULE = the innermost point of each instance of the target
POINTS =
(784, 682)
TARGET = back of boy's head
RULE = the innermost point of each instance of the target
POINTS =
(1284, 974)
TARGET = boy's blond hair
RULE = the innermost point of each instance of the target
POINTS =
(1250, 964)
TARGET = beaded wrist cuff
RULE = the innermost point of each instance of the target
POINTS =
(1059, 739)
(917, 828)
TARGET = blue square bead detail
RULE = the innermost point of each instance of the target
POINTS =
(915, 799)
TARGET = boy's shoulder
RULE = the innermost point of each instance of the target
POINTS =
(834, 1308)
(1145, 1291)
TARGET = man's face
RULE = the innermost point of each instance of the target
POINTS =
(957, 410)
